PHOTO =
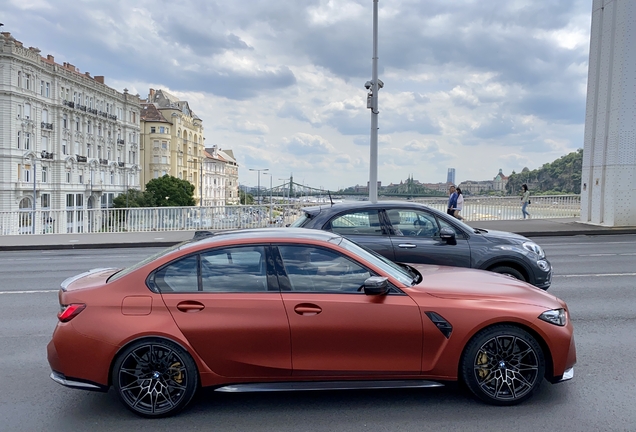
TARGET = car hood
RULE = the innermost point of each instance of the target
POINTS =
(498, 236)
(470, 284)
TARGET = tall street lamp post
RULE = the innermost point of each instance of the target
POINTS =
(258, 190)
(271, 176)
(372, 103)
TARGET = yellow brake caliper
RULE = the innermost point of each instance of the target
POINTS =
(482, 360)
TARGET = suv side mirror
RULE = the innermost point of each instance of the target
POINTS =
(448, 235)
(376, 285)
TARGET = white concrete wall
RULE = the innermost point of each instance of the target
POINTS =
(608, 183)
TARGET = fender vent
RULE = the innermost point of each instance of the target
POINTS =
(444, 326)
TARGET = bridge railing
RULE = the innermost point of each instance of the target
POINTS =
(79, 220)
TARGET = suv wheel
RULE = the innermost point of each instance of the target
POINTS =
(509, 271)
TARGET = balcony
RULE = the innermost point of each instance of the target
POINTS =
(69, 104)
(112, 117)
(48, 126)
(103, 161)
(121, 142)
(121, 164)
(81, 158)
(46, 155)
(81, 107)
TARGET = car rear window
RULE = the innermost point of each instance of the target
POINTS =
(142, 263)
(298, 223)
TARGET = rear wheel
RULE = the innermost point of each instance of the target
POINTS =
(155, 377)
(509, 271)
(503, 365)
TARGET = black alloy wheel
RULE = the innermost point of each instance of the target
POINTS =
(509, 271)
(503, 365)
(155, 377)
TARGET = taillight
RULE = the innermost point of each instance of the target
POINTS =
(69, 312)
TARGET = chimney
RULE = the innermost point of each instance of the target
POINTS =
(88, 74)
(50, 58)
(152, 95)
(100, 79)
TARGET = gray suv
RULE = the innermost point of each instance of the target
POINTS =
(414, 233)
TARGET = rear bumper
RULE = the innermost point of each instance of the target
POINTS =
(77, 383)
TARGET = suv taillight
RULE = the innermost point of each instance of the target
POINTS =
(69, 312)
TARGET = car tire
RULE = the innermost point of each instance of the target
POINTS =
(155, 377)
(503, 365)
(509, 271)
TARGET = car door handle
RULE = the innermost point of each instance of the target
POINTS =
(190, 306)
(307, 309)
(407, 245)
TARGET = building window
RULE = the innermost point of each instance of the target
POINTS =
(64, 149)
(164, 159)
(46, 200)
(27, 81)
(19, 133)
(20, 79)
(155, 143)
(70, 200)
(65, 121)
(41, 88)
(47, 90)
(27, 140)
(99, 129)
(45, 116)
(26, 173)
(162, 129)
(68, 176)
(74, 97)
(27, 111)
(88, 150)
(112, 177)
(89, 128)
(152, 129)
(156, 174)
(45, 176)
(164, 144)
(45, 143)
(77, 125)
(108, 154)
(155, 159)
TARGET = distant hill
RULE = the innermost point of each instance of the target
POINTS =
(563, 176)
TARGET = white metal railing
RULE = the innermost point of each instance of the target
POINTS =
(80, 220)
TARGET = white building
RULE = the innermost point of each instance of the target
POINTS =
(220, 178)
(63, 132)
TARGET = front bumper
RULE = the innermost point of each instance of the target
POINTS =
(567, 376)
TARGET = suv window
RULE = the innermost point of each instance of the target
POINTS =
(365, 222)
(413, 223)
(311, 269)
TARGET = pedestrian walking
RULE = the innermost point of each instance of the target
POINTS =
(525, 200)
(459, 205)
(452, 200)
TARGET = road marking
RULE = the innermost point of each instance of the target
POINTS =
(600, 254)
(28, 292)
(596, 275)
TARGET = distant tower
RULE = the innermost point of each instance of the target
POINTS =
(450, 178)
(608, 180)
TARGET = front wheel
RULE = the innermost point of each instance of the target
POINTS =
(155, 377)
(503, 365)
(509, 271)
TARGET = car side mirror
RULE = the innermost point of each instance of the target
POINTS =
(448, 235)
(376, 285)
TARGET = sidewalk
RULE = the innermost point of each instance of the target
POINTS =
(528, 228)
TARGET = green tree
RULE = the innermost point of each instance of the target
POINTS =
(245, 198)
(169, 191)
(561, 176)
(133, 198)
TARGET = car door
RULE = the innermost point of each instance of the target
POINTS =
(415, 237)
(229, 311)
(337, 330)
(364, 227)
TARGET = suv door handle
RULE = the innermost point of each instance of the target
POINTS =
(190, 306)
(307, 309)
(407, 245)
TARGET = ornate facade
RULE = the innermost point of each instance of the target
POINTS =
(64, 133)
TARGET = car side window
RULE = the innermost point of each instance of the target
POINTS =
(311, 269)
(237, 269)
(365, 222)
(413, 223)
(444, 224)
(178, 276)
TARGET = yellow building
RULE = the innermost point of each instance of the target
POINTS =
(171, 140)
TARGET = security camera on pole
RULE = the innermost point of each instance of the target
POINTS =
(372, 103)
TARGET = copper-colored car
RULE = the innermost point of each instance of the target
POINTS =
(297, 309)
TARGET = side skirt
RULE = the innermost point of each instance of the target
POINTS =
(327, 385)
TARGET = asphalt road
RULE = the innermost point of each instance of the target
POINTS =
(596, 276)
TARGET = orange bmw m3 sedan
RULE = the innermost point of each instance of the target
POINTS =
(295, 309)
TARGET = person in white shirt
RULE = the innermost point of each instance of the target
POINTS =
(460, 204)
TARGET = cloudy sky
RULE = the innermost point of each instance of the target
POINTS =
(477, 85)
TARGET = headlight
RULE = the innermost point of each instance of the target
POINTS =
(533, 247)
(554, 316)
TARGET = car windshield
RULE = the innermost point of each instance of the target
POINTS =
(151, 258)
(391, 268)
